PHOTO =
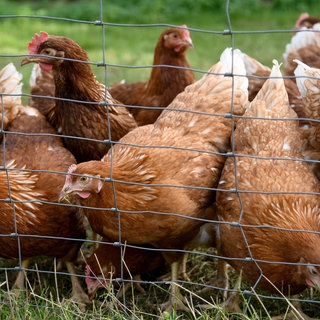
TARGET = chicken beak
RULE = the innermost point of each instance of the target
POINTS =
(64, 196)
(29, 59)
(314, 282)
(190, 43)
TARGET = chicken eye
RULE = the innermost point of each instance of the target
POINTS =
(313, 271)
(46, 51)
(84, 179)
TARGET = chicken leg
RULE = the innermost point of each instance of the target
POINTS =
(20, 280)
(78, 295)
(176, 299)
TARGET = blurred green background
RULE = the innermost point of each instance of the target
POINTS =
(262, 30)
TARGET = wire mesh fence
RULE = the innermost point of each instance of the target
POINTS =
(159, 188)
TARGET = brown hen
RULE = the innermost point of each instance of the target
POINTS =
(304, 46)
(265, 195)
(308, 81)
(85, 109)
(169, 167)
(164, 82)
(32, 222)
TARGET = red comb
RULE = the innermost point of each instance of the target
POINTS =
(87, 270)
(36, 41)
(88, 274)
(71, 169)
(302, 17)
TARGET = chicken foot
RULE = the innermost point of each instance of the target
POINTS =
(126, 285)
(221, 281)
(21, 277)
(232, 303)
(78, 295)
(182, 272)
(176, 298)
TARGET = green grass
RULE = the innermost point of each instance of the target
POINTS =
(47, 296)
(133, 46)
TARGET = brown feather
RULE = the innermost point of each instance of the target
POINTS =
(42, 84)
(308, 84)
(38, 152)
(164, 82)
(30, 148)
(164, 167)
(256, 217)
(304, 46)
(85, 117)
(156, 187)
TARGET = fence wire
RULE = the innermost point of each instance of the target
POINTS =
(200, 260)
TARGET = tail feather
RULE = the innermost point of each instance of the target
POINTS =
(305, 46)
(272, 100)
(11, 90)
(35, 73)
(308, 81)
(258, 134)
(306, 76)
(10, 81)
(254, 67)
(274, 90)
(231, 63)
(303, 38)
